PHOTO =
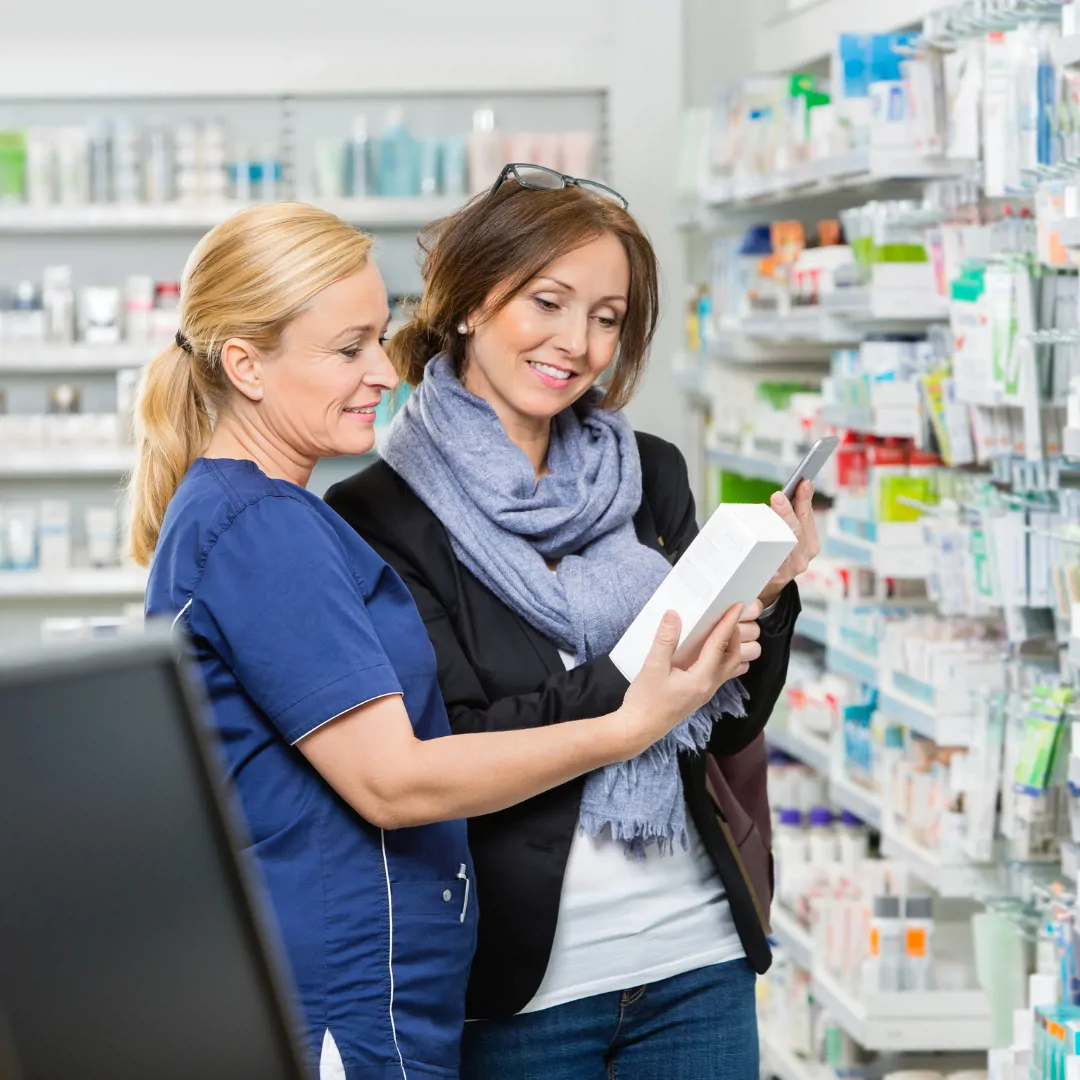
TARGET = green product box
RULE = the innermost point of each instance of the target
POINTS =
(12, 166)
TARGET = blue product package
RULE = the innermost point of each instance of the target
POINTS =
(887, 53)
(854, 53)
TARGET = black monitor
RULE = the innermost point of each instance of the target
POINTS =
(133, 942)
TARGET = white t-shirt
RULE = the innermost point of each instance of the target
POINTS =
(624, 922)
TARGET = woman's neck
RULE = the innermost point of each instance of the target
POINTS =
(234, 437)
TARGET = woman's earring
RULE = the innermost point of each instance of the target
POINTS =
(462, 329)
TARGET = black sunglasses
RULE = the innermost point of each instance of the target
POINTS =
(541, 178)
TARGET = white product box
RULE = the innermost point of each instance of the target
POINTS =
(54, 536)
(730, 561)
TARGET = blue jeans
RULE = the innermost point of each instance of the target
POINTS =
(695, 1026)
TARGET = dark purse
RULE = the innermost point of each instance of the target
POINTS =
(736, 785)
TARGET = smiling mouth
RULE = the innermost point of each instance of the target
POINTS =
(362, 410)
(550, 371)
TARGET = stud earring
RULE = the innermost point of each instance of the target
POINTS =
(462, 329)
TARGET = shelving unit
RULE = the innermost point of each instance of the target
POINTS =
(888, 561)
(865, 420)
(856, 799)
(1070, 50)
(850, 665)
(855, 170)
(877, 303)
(372, 213)
(948, 878)
(813, 751)
(759, 468)
(793, 938)
(945, 728)
(62, 461)
(779, 1061)
(812, 625)
(809, 326)
(74, 359)
(934, 1020)
(36, 585)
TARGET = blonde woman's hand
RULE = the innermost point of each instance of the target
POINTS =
(662, 694)
(800, 519)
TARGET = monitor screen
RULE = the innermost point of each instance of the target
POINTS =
(130, 942)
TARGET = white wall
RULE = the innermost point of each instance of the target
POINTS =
(632, 47)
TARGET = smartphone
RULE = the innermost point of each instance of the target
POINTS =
(810, 465)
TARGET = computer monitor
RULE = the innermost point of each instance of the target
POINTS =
(133, 942)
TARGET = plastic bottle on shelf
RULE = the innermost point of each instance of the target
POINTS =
(852, 838)
(357, 163)
(126, 178)
(138, 304)
(485, 151)
(885, 955)
(157, 164)
(888, 760)
(241, 173)
(58, 300)
(821, 839)
(918, 967)
(101, 187)
(792, 853)
(399, 172)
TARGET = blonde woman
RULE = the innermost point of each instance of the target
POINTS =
(321, 678)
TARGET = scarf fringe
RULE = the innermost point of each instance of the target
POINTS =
(636, 835)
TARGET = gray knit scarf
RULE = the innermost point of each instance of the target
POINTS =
(452, 450)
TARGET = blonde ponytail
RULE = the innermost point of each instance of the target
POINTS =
(247, 278)
(172, 428)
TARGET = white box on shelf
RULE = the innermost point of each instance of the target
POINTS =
(730, 561)
(54, 536)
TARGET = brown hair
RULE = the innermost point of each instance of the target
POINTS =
(501, 242)
(247, 278)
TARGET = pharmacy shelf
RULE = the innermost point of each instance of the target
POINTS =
(935, 1020)
(856, 799)
(37, 585)
(808, 749)
(1069, 230)
(780, 1061)
(758, 468)
(1070, 50)
(849, 417)
(888, 561)
(805, 326)
(388, 213)
(850, 665)
(827, 177)
(863, 419)
(878, 303)
(792, 937)
(800, 34)
(924, 718)
(49, 359)
(812, 626)
(67, 461)
(956, 879)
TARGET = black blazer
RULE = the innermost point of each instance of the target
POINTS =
(497, 674)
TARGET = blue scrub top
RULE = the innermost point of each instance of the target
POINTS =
(295, 620)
